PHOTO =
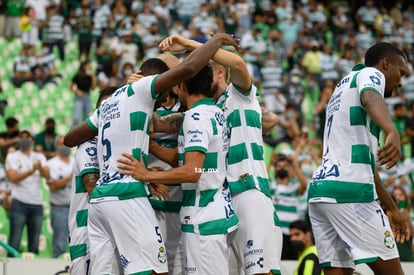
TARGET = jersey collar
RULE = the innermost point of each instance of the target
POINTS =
(205, 101)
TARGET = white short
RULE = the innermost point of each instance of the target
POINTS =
(171, 229)
(257, 243)
(130, 229)
(205, 254)
(351, 233)
(81, 266)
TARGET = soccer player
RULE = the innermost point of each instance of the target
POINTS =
(119, 204)
(348, 224)
(206, 214)
(258, 241)
(85, 175)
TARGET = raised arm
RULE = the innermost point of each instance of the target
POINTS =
(239, 75)
(194, 62)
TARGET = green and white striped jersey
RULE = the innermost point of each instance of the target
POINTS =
(122, 122)
(206, 208)
(86, 161)
(286, 201)
(350, 142)
(175, 195)
(246, 168)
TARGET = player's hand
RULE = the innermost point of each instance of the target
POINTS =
(128, 165)
(175, 43)
(159, 190)
(228, 39)
(135, 76)
(390, 153)
(400, 225)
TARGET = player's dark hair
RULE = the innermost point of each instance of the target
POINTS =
(201, 82)
(11, 122)
(380, 51)
(153, 66)
(301, 225)
(105, 93)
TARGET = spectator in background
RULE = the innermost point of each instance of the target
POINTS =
(14, 11)
(288, 185)
(404, 205)
(399, 119)
(29, 29)
(84, 28)
(410, 127)
(5, 189)
(163, 15)
(186, 9)
(312, 61)
(108, 76)
(45, 141)
(364, 37)
(294, 92)
(55, 30)
(46, 70)
(24, 168)
(126, 50)
(60, 185)
(82, 84)
(302, 243)
(203, 21)
(126, 71)
(39, 7)
(3, 9)
(103, 51)
(384, 25)
(23, 67)
(101, 19)
(329, 64)
(9, 139)
(367, 14)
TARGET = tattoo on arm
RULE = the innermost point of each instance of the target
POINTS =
(175, 122)
(89, 181)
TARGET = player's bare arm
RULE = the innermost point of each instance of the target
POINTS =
(400, 225)
(390, 153)
(189, 172)
(89, 181)
(78, 135)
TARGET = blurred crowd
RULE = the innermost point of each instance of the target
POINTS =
(296, 52)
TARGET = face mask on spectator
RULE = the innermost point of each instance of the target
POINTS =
(24, 144)
(64, 151)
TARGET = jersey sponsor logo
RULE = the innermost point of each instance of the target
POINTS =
(194, 132)
(343, 81)
(195, 140)
(250, 265)
(92, 164)
(110, 110)
(91, 151)
(334, 103)
(162, 255)
(228, 208)
(220, 118)
(195, 116)
(260, 262)
(124, 261)
(249, 244)
(325, 171)
(190, 269)
(388, 240)
(253, 252)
